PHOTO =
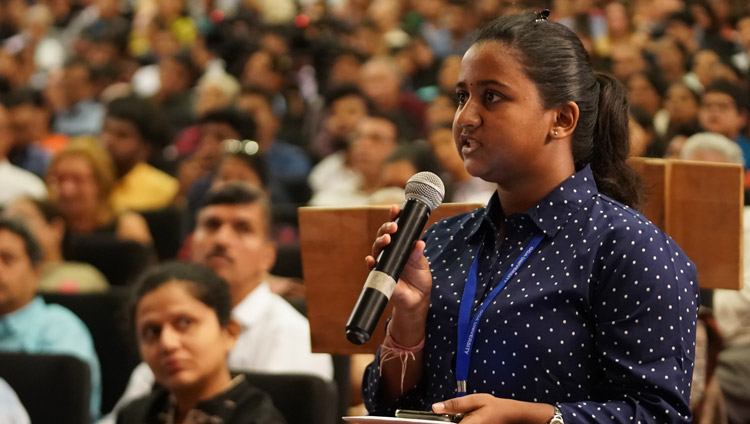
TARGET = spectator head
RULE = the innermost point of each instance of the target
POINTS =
(407, 160)
(443, 145)
(265, 69)
(448, 74)
(257, 101)
(177, 73)
(215, 91)
(743, 30)
(618, 23)
(77, 83)
(80, 180)
(712, 147)
(672, 58)
(28, 118)
(703, 64)
(441, 108)
(44, 220)
(723, 109)
(380, 80)
(232, 236)
(345, 68)
(641, 130)
(182, 312)
(375, 139)
(6, 132)
(681, 103)
(20, 256)
(347, 106)
(242, 162)
(645, 91)
(627, 60)
(132, 132)
(220, 125)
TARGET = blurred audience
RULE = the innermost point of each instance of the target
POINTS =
(232, 238)
(80, 181)
(133, 137)
(27, 323)
(16, 181)
(181, 316)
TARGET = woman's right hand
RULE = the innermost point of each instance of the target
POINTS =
(411, 297)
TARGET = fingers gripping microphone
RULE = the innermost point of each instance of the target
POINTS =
(424, 192)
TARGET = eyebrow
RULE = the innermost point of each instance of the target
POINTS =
(483, 83)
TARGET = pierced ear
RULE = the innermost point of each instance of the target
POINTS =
(565, 121)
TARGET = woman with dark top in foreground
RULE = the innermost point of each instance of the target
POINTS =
(558, 301)
(181, 315)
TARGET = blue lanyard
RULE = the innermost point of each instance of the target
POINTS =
(466, 332)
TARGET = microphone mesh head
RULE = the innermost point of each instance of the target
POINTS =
(426, 187)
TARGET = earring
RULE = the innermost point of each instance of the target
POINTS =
(555, 132)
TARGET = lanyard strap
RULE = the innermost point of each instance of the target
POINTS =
(467, 332)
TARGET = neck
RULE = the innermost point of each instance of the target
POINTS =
(520, 197)
(240, 291)
(52, 255)
(185, 400)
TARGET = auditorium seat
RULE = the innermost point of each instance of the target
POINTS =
(103, 314)
(165, 226)
(302, 399)
(52, 388)
(121, 261)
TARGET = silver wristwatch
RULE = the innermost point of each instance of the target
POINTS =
(557, 418)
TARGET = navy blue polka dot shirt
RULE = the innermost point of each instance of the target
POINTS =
(600, 320)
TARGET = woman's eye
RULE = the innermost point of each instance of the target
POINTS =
(491, 97)
(184, 322)
(461, 97)
(150, 333)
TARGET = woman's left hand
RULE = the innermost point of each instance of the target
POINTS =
(487, 409)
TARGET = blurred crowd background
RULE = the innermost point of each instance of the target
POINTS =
(116, 116)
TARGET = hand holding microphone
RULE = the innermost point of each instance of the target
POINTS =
(424, 192)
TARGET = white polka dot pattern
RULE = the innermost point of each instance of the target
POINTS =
(600, 319)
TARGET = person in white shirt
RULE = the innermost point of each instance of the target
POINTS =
(232, 238)
(15, 182)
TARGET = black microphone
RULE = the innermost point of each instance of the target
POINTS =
(424, 192)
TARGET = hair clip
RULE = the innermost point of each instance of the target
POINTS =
(542, 15)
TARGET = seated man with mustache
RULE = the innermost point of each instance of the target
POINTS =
(232, 238)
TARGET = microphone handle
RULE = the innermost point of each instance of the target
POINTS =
(411, 222)
(383, 278)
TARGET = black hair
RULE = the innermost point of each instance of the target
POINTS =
(19, 228)
(691, 90)
(23, 96)
(730, 89)
(238, 193)
(419, 154)
(257, 162)
(200, 281)
(643, 118)
(554, 59)
(241, 121)
(682, 16)
(345, 90)
(143, 115)
(47, 208)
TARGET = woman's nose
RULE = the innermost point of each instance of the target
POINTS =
(468, 116)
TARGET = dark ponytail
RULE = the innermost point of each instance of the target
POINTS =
(553, 58)
(611, 146)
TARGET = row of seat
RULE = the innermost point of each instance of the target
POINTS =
(103, 314)
(56, 389)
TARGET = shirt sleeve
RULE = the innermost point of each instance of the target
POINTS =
(645, 306)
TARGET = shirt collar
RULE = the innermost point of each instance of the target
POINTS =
(553, 211)
(18, 320)
(252, 308)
